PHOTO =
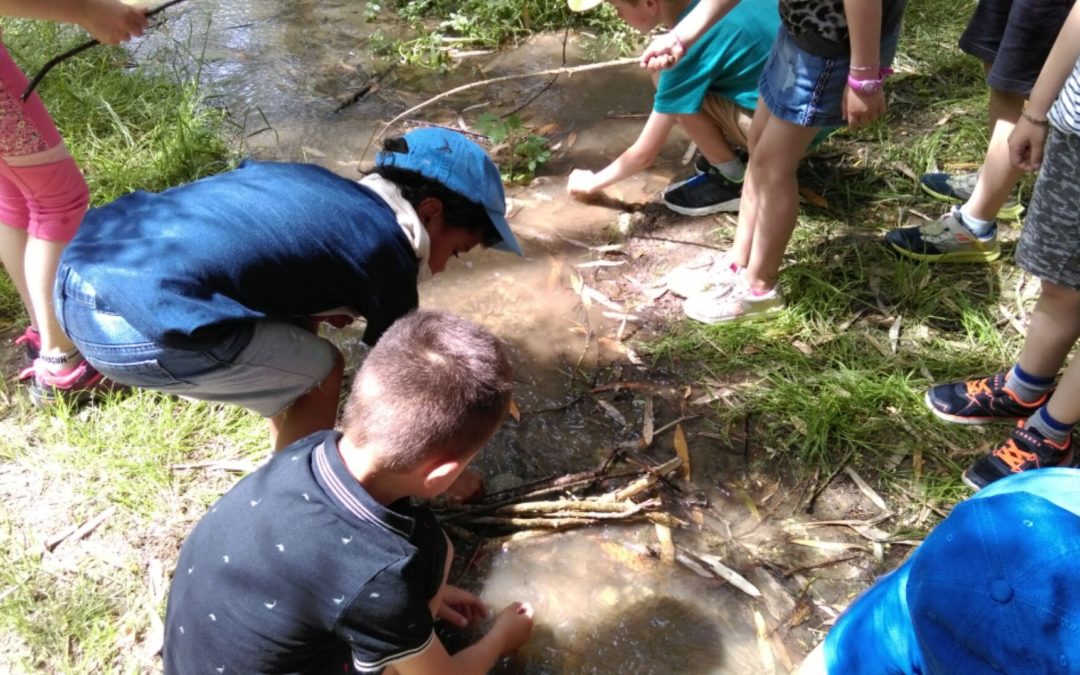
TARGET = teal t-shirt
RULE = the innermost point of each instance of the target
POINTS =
(726, 60)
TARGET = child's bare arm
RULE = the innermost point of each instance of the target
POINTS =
(864, 27)
(634, 159)
(1028, 137)
(511, 630)
(109, 21)
(666, 50)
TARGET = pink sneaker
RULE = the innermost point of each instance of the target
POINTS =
(31, 342)
(78, 385)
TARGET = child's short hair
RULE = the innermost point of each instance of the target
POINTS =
(435, 385)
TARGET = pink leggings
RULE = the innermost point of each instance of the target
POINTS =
(41, 188)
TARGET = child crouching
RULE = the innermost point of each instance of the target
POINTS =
(319, 561)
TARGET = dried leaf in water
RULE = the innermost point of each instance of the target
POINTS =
(514, 412)
(647, 423)
(682, 450)
(768, 663)
(667, 546)
(555, 273)
(612, 412)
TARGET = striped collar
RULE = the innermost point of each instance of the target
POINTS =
(343, 488)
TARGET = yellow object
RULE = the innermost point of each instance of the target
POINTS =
(582, 5)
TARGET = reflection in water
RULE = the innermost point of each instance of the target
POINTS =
(602, 609)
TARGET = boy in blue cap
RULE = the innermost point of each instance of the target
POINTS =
(319, 562)
(211, 290)
(991, 590)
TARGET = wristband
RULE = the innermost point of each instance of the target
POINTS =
(869, 86)
(1033, 120)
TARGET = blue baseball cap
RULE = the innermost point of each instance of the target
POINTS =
(462, 166)
(995, 588)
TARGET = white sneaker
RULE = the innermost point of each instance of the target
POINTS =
(706, 273)
(736, 303)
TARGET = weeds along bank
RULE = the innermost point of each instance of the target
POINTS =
(129, 126)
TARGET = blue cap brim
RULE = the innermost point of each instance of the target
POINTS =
(502, 226)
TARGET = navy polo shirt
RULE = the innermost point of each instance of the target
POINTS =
(298, 570)
(269, 240)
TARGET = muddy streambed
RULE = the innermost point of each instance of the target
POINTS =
(288, 71)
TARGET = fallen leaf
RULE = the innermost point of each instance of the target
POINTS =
(865, 488)
(682, 450)
(667, 546)
(612, 412)
(813, 198)
(555, 273)
(894, 334)
(514, 412)
(600, 263)
(764, 648)
(647, 424)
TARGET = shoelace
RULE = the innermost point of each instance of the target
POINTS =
(1013, 457)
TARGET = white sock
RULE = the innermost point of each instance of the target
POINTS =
(734, 170)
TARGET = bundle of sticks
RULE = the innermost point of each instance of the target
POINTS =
(570, 501)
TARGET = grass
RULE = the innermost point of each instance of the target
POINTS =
(828, 383)
(88, 608)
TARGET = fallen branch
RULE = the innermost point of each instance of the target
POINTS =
(564, 70)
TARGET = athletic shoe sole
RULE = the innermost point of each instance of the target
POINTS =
(730, 206)
(989, 255)
(742, 318)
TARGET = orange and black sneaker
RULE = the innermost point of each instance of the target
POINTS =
(980, 401)
(1026, 450)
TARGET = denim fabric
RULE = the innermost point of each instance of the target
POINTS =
(262, 366)
(808, 90)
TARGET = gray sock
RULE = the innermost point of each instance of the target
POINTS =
(734, 170)
(1026, 390)
(1051, 429)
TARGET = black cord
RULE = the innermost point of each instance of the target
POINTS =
(77, 50)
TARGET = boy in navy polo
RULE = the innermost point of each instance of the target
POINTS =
(319, 562)
(208, 290)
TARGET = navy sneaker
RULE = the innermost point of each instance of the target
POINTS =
(980, 401)
(946, 239)
(1026, 450)
(958, 187)
(704, 194)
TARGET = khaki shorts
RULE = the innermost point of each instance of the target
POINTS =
(733, 119)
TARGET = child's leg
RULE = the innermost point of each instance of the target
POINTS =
(1053, 331)
(997, 177)
(56, 196)
(314, 411)
(744, 231)
(775, 202)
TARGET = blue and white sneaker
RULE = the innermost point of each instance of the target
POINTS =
(946, 239)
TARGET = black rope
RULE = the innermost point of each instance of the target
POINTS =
(78, 50)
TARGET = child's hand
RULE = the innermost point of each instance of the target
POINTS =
(1026, 144)
(663, 52)
(468, 487)
(515, 623)
(111, 21)
(461, 607)
(860, 109)
(581, 182)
